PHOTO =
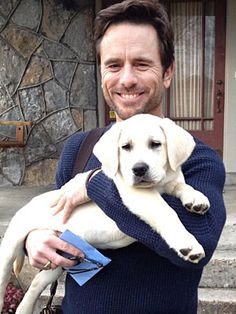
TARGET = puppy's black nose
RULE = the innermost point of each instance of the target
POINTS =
(140, 169)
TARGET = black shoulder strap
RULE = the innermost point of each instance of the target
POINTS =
(86, 149)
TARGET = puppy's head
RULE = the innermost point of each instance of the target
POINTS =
(143, 149)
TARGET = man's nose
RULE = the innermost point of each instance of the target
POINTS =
(128, 76)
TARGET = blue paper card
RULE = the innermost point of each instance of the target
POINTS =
(93, 263)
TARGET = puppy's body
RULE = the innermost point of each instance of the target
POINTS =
(143, 164)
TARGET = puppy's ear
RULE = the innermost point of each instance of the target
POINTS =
(180, 143)
(107, 150)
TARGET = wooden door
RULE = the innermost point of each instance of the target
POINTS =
(196, 97)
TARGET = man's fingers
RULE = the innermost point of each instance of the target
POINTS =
(58, 258)
(59, 206)
(52, 254)
(65, 262)
(68, 209)
(44, 246)
(68, 248)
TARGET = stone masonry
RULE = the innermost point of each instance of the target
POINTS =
(47, 76)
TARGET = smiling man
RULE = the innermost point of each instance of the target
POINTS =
(133, 78)
(134, 42)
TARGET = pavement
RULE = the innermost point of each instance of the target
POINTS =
(217, 291)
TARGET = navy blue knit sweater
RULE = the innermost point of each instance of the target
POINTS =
(147, 276)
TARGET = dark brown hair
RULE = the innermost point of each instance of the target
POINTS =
(139, 12)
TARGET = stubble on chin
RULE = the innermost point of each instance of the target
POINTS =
(125, 113)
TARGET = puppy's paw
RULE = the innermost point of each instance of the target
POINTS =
(196, 203)
(189, 248)
(185, 245)
(192, 254)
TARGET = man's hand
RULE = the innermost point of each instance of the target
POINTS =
(73, 193)
(42, 246)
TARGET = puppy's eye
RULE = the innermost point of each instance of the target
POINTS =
(154, 144)
(126, 146)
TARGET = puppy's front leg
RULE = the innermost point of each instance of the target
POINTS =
(149, 206)
(176, 235)
(193, 200)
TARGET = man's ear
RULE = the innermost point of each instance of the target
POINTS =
(180, 143)
(107, 150)
(168, 75)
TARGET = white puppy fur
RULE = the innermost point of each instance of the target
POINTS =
(143, 155)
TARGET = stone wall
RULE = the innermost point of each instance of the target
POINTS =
(47, 76)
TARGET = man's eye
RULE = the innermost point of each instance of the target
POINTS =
(114, 67)
(154, 144)
(142, 66)
(126, 146)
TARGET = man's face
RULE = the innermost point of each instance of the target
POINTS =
(131, 71)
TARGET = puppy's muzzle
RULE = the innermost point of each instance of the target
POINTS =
(140, 169)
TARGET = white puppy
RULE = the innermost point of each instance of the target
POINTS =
(143, 155)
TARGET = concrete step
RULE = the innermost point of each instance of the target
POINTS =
(13, 198)
(228, 237)
(217, 301)
(217, 291)
(221, 271)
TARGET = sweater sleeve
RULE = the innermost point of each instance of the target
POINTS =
(205, 172)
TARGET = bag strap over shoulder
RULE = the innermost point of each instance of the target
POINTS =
(86, 149)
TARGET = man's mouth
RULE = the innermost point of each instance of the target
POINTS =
(129, 96)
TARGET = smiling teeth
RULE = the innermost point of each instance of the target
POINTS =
(129, 96)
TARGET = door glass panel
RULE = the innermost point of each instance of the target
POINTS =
(209, 64)
(191, 92)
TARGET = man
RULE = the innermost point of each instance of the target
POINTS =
(134, 42)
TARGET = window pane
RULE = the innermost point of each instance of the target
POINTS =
(209, 60)
(191, 92)
(186, 90)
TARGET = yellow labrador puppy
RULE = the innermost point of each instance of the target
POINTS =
(143, 155)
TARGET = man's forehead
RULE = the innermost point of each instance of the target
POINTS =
(130, 35)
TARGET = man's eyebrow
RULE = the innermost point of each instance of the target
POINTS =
(118, 60)
(144, 59)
